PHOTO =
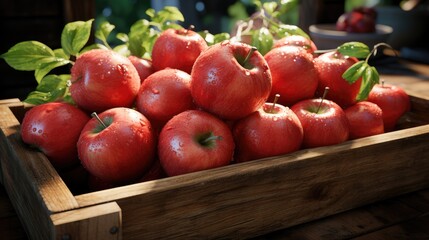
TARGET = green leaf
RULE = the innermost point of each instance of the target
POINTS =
(122, 49)
(369, 79)
(123, 37)
(28, 55)
(103, 32)
(213, 39)
(168, 13)
(270, 8)
(59, 53)
(75, 35)
(354, 49)
(46, 67)
(139, 31)
(262, 40)
(284, 30)
(353, 73)
(50, 88)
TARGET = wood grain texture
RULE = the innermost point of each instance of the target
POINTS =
(33, 185)
(254, 198)
(96, 222)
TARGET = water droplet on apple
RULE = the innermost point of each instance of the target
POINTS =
(69, 83)
(155, 91)
(40, 131)
(34, 129)
(247, 73)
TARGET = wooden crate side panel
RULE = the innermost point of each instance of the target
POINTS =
(270, 194)
(97, 222)
(33, 185)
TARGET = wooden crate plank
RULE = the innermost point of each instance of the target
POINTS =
(419, 201)
(33, 185)
(352, 223)
(254, 198)
(96, 222)
(413, 229)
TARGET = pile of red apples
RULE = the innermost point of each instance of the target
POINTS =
(193, 107)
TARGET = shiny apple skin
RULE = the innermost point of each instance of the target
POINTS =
(365, 119)
(123, 151)
(143, 67)
(102, 79)
(221, 86)
(266, 134)
(54, 128)
(330, 67)
(165, 94)
(394, 102)
(297, 40)
(177, 48)
(294, 75)
(179, 150)
(328, 127)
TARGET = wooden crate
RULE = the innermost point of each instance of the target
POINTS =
(233, 202)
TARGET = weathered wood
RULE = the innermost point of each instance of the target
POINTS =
(353, 223)
(97, 222)
(236, 201)
(254, 198)
(33, 185)
(413, 229)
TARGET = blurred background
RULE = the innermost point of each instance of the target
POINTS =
(43, 20)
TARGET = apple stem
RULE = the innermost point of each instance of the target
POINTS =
(382, 83)
(211, 138)
(95, 115)
(276, 98)
(323, 98)
(249, 54)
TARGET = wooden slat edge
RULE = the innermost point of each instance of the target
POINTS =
(34, 187)
(97, 222)
(172, 183)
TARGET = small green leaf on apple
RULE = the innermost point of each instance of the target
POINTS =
(28, 55)
(51, 88)
(354, 49)
(103, 32)
(361, 69)
(75, 35)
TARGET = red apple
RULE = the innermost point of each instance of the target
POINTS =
(230, 80)
(177, 48)
(118, 147)
(324, 122)
(330, 67)
(103, 79)
(359, 20)
(143, 67)
(54, 129)
(297, 40)
(270, 131)
(194, 140)
(294, 75)
(164, 94)
(365, 119)
(394, 102)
